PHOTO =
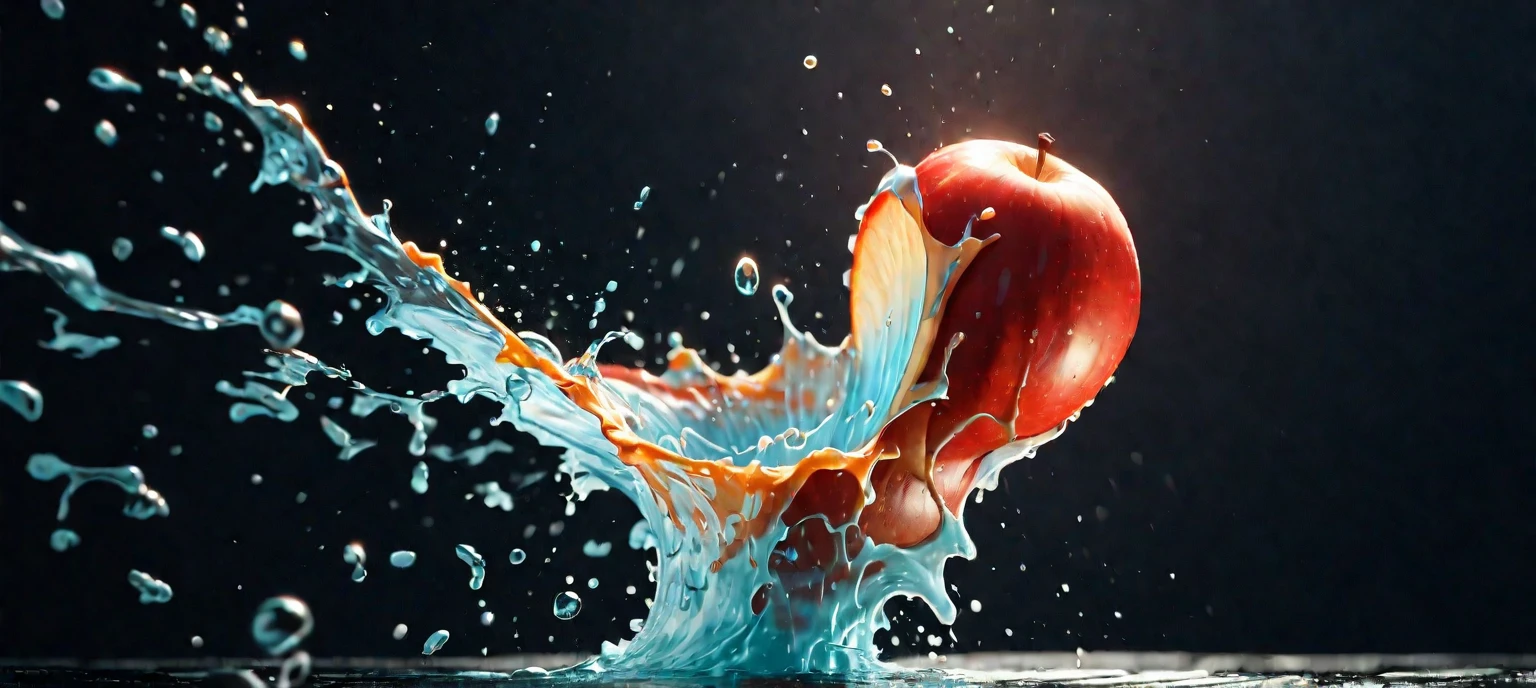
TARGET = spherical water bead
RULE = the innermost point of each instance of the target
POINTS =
(517, 557)
(534, 245)
(611, 286)
(106, 133)
(281, 325)
(212, 122)
(402, 559)
(885, 89)
(122, 248)
(492, 123)
(747, 277)
(435, 642)
(810, 62)
(487, 618)
(400, 631)
(592, 583)
(197, 641)
(567, 605)
(110, 81)
(296, 49)
(151, 432)
(53, 8)
(281, 623)
(63, 539)
(51, 104)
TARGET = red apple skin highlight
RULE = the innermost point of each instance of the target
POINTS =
(1048, 311)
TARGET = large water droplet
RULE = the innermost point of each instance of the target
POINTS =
(106, 133)
(747, 277)
(435, 642)
(63, 539)
(402, 559)
(122, 248)
(567, 605)
(491, 124)
(281, 623)
(23, 398)
(151, 591)
(281, 325)
(189, 15)
(419, 478)
(108, 80)
(297, 50)
(53, 8)
(517, 557)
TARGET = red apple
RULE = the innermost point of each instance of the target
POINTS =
(1048, 311)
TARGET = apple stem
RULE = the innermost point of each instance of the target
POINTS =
(1045, 141)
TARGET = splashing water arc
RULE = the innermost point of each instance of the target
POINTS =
(988, 307)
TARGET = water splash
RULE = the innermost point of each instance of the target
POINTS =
(143, 503)
(715, 463)
(339, 436)
(84, 346)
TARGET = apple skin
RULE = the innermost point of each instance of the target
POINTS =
(1048, 311)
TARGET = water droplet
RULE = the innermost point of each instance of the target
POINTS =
(110, 81)
(517, 557)
(281, 325)
(189, 15)
(567, 605)
(53, 8)
(492, 123)
(885, 89)
(435, 642)
(296, 49)
(476, 563)
(197, 641)
(151, 591)
(353, 554)
(988, 213)
(150, 432)
(122, 248)
(191, 244)
(63, 539)
(281, 623)
(400, 631)
(810, 62)
(534, 245)
(217, 39)
(487, 618)
(596, 550)
(419, 478)
(23, 398)
(747, 277)
(212, 122)
(106, 133)
(51, 104)
(645, 192)
(402, 559)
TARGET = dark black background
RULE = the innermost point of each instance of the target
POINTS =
(1329, 394)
